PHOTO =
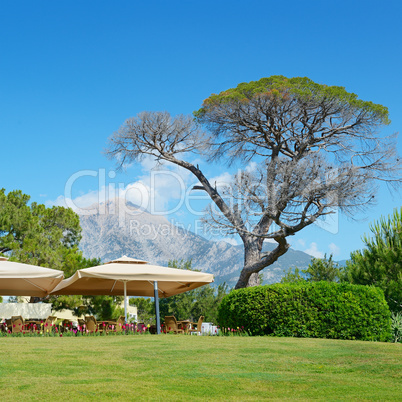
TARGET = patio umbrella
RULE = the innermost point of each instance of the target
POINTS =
(130, 277)
(17, 279)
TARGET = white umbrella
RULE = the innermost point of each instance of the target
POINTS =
(130, 277)
(17, 279)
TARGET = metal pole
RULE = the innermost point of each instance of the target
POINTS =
(125, 302)
(156, 298)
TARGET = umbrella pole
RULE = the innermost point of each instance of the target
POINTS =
(125, 302)
(156, 298)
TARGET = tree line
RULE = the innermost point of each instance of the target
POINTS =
(50, 237)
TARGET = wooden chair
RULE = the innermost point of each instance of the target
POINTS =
(120, 322)
(50, 320)
(81, 325)
(172, 326)
(17, 324)
(91, 324)
(198, 326)
(49, 323)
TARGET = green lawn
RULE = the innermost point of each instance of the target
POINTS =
(177, 367)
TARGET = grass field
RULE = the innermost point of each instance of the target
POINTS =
(175, 367)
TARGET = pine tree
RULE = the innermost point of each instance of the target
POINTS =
(380, 263)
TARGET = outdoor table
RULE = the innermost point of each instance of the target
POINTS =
(29, 325)
(107, 324)
(64, 325)
(33, 322)
(37, 322)
(185, 325)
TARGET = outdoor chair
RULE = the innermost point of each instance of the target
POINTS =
(171, 325)
(120, 322)
(50, 320)
(17, 324)
(198, 326)
(91, 324)
(49, 323)
(81, 324)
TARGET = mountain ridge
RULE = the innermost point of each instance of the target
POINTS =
(116, 230)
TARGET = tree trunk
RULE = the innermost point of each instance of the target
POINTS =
(255, 261)
(254, 279)
(252, 256)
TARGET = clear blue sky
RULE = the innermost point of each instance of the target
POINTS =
(71, 73)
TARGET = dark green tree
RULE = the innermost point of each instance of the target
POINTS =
(380, 262)
(302, 149)
(292, 276)
(319, 269)
(145, 309)
(207, 300)
(37, 235)
(323, 269)
(102, 307)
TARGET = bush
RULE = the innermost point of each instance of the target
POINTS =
(315, 310)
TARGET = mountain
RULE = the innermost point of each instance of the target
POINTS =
(124, 229)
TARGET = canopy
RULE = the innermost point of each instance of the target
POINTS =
(130, 277)
(109, 279)
(17, 279)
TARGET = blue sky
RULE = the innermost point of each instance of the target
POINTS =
(72, 73)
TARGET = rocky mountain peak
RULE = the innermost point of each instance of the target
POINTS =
(119, 228)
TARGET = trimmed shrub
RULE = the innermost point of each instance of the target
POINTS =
(314, 310)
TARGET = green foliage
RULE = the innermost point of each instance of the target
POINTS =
(38, 235)
(145, 309)
(67, 302)
(279, 89)
(315, 310)
(380, 263)
(191, 305)
(319, 269)
(73, 262)
(323, 269)
(102, 307)
(194, 303)
(292, 276)
(396, 327)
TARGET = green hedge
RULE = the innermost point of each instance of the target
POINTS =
(314, 310)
